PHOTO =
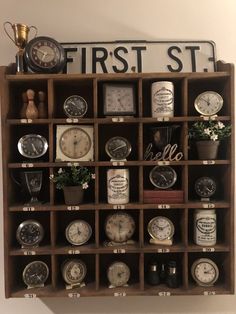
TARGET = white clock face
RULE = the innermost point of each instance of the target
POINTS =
(119, 227)
(119, 100)
(205, 272)
(74, 271)
(118, 274)
(78, 232)
(208, 103)
(74, 143)
(161, 228)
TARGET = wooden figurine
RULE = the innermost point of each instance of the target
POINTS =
(31, 110)
(42, 109)
(24, 106)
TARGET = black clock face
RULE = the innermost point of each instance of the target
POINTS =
(35, 274)
(44, 54)
(32, 145)
(75, 106)
(205, 187)
(163, 177)
(118, 148)
(29, 233)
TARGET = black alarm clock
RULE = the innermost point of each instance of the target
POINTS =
(44, 55)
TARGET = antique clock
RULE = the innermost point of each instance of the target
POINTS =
(119, 227)
(118, 148)
(74, 143)
(119, 100)
(74, 272)
(208, 103)
(78, 232)
(32, 146)
(44, 55)
(161, 230)
(163, 177)
(205, 187)
(29, 233)
(118, 274)
(75, 106)
(35, 274)
(204, 272)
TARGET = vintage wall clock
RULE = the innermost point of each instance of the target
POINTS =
(32, 146)
(44, 55)
(74, 143)
(119, 100)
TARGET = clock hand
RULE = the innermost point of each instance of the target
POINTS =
(34, 148)
(161, 175)
(121, 146)
(207, 101)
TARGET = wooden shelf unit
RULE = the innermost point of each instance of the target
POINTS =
(54, 214)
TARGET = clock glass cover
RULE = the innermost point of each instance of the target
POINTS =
(78, 232)
(32, 145)
(208, 103)
(119, 227)
(161, 228)
(119, 99)
(163, 177)
(75, 106)
(118, 148)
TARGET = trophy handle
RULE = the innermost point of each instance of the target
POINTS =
(14, 179)
(5, 29)
(36, 30)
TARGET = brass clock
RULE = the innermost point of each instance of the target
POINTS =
(75, 143)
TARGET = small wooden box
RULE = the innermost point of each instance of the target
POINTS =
(163, 196)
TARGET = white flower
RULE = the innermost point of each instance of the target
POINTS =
(221, 125)
(207, 131)
(60, 170)
(93, 176)
(51, 176)
(85, 186)
(214, 137)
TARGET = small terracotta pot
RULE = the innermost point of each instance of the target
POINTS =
(73, 195)
(207, 149)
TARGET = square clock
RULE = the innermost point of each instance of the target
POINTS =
(119, 99)
(74, 143)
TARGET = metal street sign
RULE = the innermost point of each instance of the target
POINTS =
(140, 56)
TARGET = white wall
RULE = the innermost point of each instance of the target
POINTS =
(78, 20)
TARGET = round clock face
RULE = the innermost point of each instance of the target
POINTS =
(29, 233)
(75, 143)
(78, 232)
(205, 187)
(74, 271)
(44, 54)
(208, 103)
(161, 228)
(205, 272)
(118, 274)
(32, 145)
(35, 274)
(163, 177)
(119, 227)
(118, 148)
(119, 99)
(75, 106)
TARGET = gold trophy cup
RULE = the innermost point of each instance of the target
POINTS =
(20, 39)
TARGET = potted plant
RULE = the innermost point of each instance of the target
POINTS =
(73, 181)
(208, 135)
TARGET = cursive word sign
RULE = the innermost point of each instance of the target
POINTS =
(169, 153)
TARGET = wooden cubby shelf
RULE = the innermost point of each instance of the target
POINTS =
(55, 216)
